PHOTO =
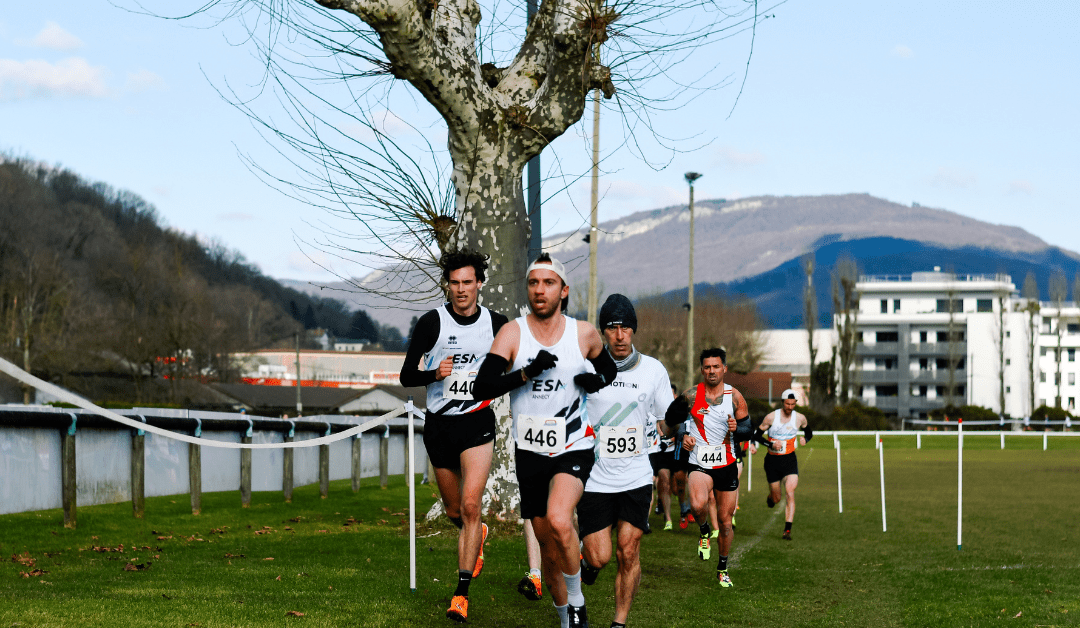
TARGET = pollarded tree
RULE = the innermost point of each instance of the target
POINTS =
(504, 93)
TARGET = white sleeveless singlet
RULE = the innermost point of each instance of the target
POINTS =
(467, 345)
(710, 430)
(783, 434)
(552, 395)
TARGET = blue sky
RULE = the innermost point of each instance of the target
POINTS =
(965, 105)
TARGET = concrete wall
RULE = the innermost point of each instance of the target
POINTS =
(30, 464)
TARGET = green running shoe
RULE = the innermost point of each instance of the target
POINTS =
(703, 549)
(723, 578)
(715, 534)
(667, 526)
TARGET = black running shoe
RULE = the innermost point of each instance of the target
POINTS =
(588, 574)
(578, 617)
(769, 502)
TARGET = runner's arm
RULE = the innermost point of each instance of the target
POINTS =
(606, 371)
(743, 429)
(424, 336)
(492, 380)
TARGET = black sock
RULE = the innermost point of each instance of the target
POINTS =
(721, 564)
(588, 572)
(464, 577)
(787, 527)
(706, 530)
(458, 521)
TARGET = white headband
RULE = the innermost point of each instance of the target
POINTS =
(554, 266)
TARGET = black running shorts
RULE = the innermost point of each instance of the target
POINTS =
(724, 479)
(446, 436)
(779, 467)
(601, 510)
(534, 473)
(662, 460)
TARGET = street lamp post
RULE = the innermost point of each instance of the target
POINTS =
(690, 178)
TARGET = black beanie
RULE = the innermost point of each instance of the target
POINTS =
(618, 310)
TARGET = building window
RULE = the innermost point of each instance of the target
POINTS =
(896, 305)
(943, 336)
(1072, 355)
(924, 364)
(887, 391)
(884, 306)
(1008, 334)
(1072, 403)
(1042, 379)
(922, 336)
(1042, 351)
(1072, 379)
(922, 391)
(858, 336)
(943, 305)
(1073, 328)
(1046, 325)
(1057, 379)
(984, 305)
(885, 364)
(1008, 361)
(1008, 389)
(888, 336)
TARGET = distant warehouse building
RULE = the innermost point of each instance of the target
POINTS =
(329, 369)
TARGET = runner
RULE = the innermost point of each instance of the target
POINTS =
(547, 355)
(530, 584)
(662, 460)
(459, 433)
(781, 465)
(720, 418)
(619, 489)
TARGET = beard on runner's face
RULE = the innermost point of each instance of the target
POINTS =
(545, 292)
(712, 370)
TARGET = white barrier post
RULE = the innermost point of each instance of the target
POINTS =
(877, 440)
(881, 466)
(1044, 440)
(749, 469)
(918, 440)
(1002, 440)
(835, 441)
(959, 483)
(412, 499)
(839, 479)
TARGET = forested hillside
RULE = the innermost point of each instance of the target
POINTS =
(90, 281)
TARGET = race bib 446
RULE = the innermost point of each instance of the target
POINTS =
(543, 435)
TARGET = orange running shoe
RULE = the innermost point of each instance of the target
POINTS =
(480, 557)
(459, 609)
(530, 587)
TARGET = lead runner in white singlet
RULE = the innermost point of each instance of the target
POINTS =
(540, 359)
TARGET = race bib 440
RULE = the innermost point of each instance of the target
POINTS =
(459, 385)
(543, 435)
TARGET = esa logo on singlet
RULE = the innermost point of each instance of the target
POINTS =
(547, 385)
(465, 358)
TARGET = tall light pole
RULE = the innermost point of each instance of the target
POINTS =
(690, 178)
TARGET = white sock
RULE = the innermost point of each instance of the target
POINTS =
(534, 572)
(573, 589)
(564, 615)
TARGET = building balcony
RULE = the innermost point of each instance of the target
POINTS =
(877, 348)
(889, 376)
(922, 404)
(883, 403)
(938, 377)
(936, 348)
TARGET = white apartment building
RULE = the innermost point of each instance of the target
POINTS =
(911, 327)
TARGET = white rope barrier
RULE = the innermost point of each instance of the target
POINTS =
(72, 398)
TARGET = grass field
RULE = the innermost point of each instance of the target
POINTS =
(343, 561)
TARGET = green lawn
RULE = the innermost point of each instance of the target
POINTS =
(1020, 554)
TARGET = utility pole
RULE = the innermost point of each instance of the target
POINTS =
(594, 235)
(532, 169)
(690, 178)
(299, 404)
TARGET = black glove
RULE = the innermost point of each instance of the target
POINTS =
(542, 362)
(591, 382)
(677, 412)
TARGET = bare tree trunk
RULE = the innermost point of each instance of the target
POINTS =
(810, 321)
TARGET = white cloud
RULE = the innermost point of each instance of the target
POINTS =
(734, 158)
(71, 77)
(54, 37)
(143, 81)
(953, 178)
(310, 262)
(1020, 186)
(902, 52)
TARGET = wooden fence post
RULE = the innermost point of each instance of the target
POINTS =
(324, 466)
(67, 473)
(195, 471)
(138, 472)
(357, 466)
(245, 469)
(287, 464)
